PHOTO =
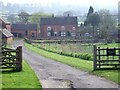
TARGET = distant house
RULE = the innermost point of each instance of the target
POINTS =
(24, 30)
(58, 27)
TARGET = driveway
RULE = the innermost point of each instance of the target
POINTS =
(53, 74)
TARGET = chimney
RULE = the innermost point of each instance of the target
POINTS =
(53, 15)
(68, 14)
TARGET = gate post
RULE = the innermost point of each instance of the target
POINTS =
(94, 57)
(19, 58)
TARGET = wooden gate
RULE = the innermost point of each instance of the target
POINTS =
(106, 58)
(11, 59)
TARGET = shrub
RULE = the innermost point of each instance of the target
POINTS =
(82, 56)
(76, 55)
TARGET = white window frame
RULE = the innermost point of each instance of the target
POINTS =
(73, 34)
(49, 28)
(55, 33)
(62, 27)
(48, 33)
(63, 34)
(73, 28)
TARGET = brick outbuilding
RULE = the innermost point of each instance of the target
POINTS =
(7, 37)
(5, 33)
(24, 30)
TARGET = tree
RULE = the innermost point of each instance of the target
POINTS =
(108, 23)
(11, 18)
(23, 17)
(35, 17)
(68, 33)
(68, 13)
(94, 20)
(90, 11)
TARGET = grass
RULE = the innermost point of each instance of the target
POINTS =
(77, 63)
(110, 45)
(24, 79)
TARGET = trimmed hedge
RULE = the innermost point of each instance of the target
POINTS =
(75, 55)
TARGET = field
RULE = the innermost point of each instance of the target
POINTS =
(24, 79)
(82, 64)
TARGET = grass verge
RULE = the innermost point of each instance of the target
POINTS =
(77, 63)
(24, 79)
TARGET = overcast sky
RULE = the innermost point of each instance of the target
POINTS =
(113, 3)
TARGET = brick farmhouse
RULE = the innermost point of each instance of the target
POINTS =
(58, 27)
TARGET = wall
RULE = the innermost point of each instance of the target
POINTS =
(10, 40)
(22, 33)
(56, 28)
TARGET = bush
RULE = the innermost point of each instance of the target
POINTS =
(76, 56)
(82, 56)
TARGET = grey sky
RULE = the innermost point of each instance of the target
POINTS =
(105, 3)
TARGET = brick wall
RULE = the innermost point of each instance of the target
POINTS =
(23, 33)
(57, 28)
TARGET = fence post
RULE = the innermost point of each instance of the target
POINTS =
(94, 57)
(99, 56)
(119, 54)
(19, 58)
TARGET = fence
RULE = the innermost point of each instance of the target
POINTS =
(106, 58)
(11, 58)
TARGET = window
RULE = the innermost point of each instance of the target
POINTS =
(73, 34)
(62, 27)
(49, 28)
(55, 33)
(19, 35)
(73, 28)
(49, 34)
(63, 33)
(33, 35)
(26, 32)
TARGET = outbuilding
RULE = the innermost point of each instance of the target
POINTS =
(7, 37)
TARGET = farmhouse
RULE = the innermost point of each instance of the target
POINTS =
(58, 27)
(24, 30)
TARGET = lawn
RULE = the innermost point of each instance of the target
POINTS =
(24, 79)
(77, 63)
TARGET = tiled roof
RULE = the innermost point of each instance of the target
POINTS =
(24, 26)
(6, 33)
(4, 21)
(58, 21)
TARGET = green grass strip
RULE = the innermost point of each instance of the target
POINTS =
(24, 79)
(77, 63)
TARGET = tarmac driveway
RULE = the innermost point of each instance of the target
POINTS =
(53, 74)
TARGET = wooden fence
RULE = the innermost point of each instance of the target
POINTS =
(106, 58)
(11, 58)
